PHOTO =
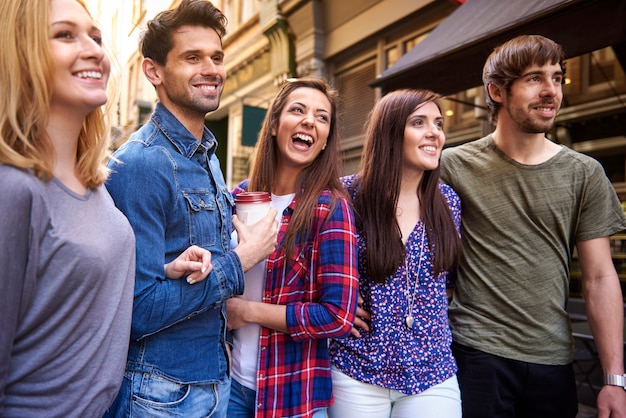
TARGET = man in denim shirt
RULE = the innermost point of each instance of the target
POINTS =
(167, 181)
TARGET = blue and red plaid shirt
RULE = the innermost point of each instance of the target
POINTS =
(319, 286)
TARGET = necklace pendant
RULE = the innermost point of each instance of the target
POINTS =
(409, 321)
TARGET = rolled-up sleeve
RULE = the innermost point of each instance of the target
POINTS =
(333, 266)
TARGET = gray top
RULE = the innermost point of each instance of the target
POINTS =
(66, 290)
(520, 224)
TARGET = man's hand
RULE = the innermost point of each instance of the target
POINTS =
(256, 241)
(195, 262)
(611, 402)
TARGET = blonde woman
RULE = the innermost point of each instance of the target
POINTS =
(67, 254)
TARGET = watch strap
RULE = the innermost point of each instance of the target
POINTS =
(615, 380)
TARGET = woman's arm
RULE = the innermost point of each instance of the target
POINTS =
(336, 277)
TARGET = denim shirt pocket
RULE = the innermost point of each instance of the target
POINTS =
(229, 198)
(203, 217)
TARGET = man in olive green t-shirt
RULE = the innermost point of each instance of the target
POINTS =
(527, 202)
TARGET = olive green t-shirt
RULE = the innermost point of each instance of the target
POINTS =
(520, 224)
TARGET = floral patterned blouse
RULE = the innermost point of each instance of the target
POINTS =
(392, 355)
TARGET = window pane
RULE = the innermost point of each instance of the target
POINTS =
(408, 45)
(391, 56)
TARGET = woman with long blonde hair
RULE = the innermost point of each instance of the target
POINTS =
(67, 254)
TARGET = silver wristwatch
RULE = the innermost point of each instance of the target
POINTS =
(615, 380)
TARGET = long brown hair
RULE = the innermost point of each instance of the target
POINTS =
(378, 188)
(322, 174)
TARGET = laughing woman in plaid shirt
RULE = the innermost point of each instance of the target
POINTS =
(306, 291)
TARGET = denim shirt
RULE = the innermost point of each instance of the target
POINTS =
(171, 188)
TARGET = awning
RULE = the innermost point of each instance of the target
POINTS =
(451, 57)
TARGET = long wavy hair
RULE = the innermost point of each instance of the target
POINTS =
(378, 188)
(322, 174)
(26, 78)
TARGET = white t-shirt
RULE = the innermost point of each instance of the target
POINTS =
(246, 338)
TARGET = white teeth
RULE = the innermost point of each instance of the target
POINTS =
(208, 88)
(306, 138)
(429, 149)
(97, 75)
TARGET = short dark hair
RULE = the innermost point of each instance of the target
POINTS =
(509, 60)
(156, 41)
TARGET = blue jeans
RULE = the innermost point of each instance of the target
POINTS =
(151, 395)
(242, 402)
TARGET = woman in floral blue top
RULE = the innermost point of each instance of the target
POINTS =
(399, 362)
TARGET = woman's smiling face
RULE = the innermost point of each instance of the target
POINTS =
(423, 138)
(81, 67)
(303, 127)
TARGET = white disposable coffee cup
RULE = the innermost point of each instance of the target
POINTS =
(252, 206)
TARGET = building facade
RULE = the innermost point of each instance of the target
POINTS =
(268, 41)
(350, 43)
